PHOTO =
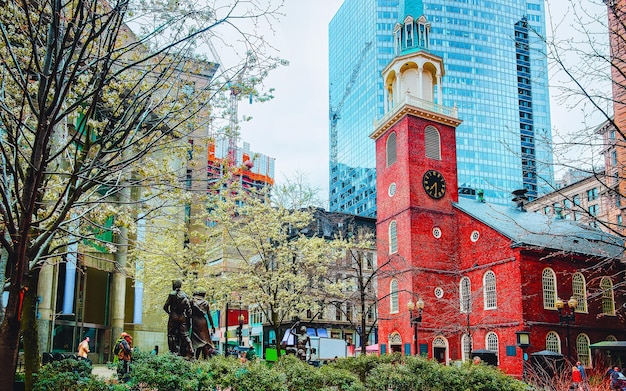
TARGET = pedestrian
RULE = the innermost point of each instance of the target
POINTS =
(124, 354)
(251, 354)
(83, 350)
(616, 374)
(584, 384)
(576, 379)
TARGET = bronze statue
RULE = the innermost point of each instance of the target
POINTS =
(200, 333)
(302, 341)
(178, 307)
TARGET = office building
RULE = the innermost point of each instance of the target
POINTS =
(496, 75)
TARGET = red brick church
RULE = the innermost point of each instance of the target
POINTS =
(482, 272)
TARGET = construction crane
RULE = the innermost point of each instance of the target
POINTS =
(235, 87)
(335, 113)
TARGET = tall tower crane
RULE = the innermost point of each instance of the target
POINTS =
(335, 113)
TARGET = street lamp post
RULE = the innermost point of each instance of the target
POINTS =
(415, 313)
(523, 342)
(240, 318)
(567, 317)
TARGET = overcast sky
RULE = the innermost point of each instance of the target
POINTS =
(293, 127)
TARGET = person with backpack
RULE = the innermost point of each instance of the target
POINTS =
(123, 350)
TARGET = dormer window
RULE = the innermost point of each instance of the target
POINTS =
(409, 35)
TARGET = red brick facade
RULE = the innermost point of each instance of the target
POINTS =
(439, 243)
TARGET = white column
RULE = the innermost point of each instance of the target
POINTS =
(439, 88)
(420, 82)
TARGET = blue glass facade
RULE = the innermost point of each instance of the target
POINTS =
(496, 74)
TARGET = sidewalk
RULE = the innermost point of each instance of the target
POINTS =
(102, 371)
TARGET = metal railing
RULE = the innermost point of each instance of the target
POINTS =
(419, 103)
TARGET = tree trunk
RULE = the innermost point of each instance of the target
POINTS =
(9, 338)
(30, 334)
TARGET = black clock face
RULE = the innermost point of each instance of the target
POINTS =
(434, 184)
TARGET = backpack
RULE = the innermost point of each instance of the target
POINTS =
(118, 346)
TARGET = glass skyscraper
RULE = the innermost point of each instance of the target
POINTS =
(496, 74)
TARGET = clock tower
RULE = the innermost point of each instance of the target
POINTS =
(416, 178)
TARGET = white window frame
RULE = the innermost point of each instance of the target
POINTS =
(548, 285)
(579, 291)
(583, 351)
(489, 291)
(394, 305)
(393, 237)
(492, 342)
(553, 342)
(608, 300)
(465, 295)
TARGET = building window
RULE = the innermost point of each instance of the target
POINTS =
(553, 342)
(489, 285)
(576, 200)
(466, 345)
(466, 301)
(579, 288)
(582, 348)
(608, 303)
(614, 158)
(391, 149)
(432, 143)
(393, 297)
(491, 342)
(393, 237)
(592, 194)
(593, 210)
(548, 282)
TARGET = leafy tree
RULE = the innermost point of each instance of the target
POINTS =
(90, 110)
(362, 271)
(273, 261)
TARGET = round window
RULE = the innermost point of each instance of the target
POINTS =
(438, 292)
(475, 235)
(437, 232)
(392, 189)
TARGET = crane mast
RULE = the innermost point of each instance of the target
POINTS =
(335, 113)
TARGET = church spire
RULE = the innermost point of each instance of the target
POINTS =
(412, 32)
(413, 8)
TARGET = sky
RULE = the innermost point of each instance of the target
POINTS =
(293, 127)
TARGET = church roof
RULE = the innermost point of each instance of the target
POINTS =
(538, 230)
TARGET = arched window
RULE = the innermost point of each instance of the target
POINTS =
(608, 303)
(582, 348)
(392, 154)
(466, 300)
(489, 284)
(611, 338)
(432, 142)
(393, 297)
(553, 342)
(548, 281)
(466, 346)
(579, 288)
(491, 342)
(393, 237)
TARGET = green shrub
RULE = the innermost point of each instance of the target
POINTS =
(68, 375)
(339, 379)
(164, 372)
(299, 376)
